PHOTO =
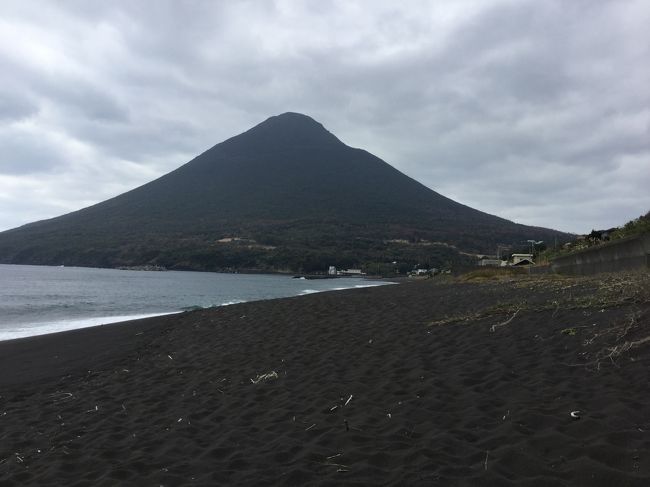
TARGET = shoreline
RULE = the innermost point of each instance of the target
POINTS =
(153, 268)
(431, 383)
(36, 323)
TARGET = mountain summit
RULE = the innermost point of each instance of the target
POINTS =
(286, 194)
(291, 129)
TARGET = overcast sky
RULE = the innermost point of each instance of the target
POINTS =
(537, 111)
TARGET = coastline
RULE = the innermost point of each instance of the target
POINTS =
(72, 298)
(409, 384)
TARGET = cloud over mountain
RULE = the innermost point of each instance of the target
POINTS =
(536, 111)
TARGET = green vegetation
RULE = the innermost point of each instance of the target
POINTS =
(634, 227)
(492, 274)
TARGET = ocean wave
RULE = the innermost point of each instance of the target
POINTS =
(233, 301)
(310, 291)
(34, 329)
(195, 307)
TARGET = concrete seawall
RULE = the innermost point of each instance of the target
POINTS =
(626, 254)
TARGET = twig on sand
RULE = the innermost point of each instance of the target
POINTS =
(264, 377)
(310, 427)
(504, 323)
(61, 396)
(329, 463)
(487, 454)
(557, 308)
(616, 351)
(348, 401)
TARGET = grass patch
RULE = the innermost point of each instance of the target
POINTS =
(492, 274)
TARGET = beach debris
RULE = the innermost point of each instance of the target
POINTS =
(334, 408)
(390, 416)
(504, 323)
(61, 396)
(179, 420)
(310, 427)
(170, 357)
(557, 307)
(370, 341)
(506, 415)
(340, 466)
(93, 410)
(487, 454)
(348, 401)
(264, 377)
(575, 414)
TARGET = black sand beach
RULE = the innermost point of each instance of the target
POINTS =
(457, 383)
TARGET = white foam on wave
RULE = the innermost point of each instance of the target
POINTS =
(233, 301)
(35, 329)
(310, 291)
(356, 286)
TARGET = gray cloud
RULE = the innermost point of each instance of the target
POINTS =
(22, 153)
(15, 108)
(535, 111)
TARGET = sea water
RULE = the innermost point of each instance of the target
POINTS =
(35, 300)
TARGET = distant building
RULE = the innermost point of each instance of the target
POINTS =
(350, 272)
(423, 272)
(485, 262)
(522, 259)
(331, 271)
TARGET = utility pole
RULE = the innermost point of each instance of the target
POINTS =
(532, 246)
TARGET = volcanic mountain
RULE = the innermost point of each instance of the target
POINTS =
(285, 195)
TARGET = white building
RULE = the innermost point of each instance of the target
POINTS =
(350, 272)
(521, 259)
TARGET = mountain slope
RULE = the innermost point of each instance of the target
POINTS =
(287, 183)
